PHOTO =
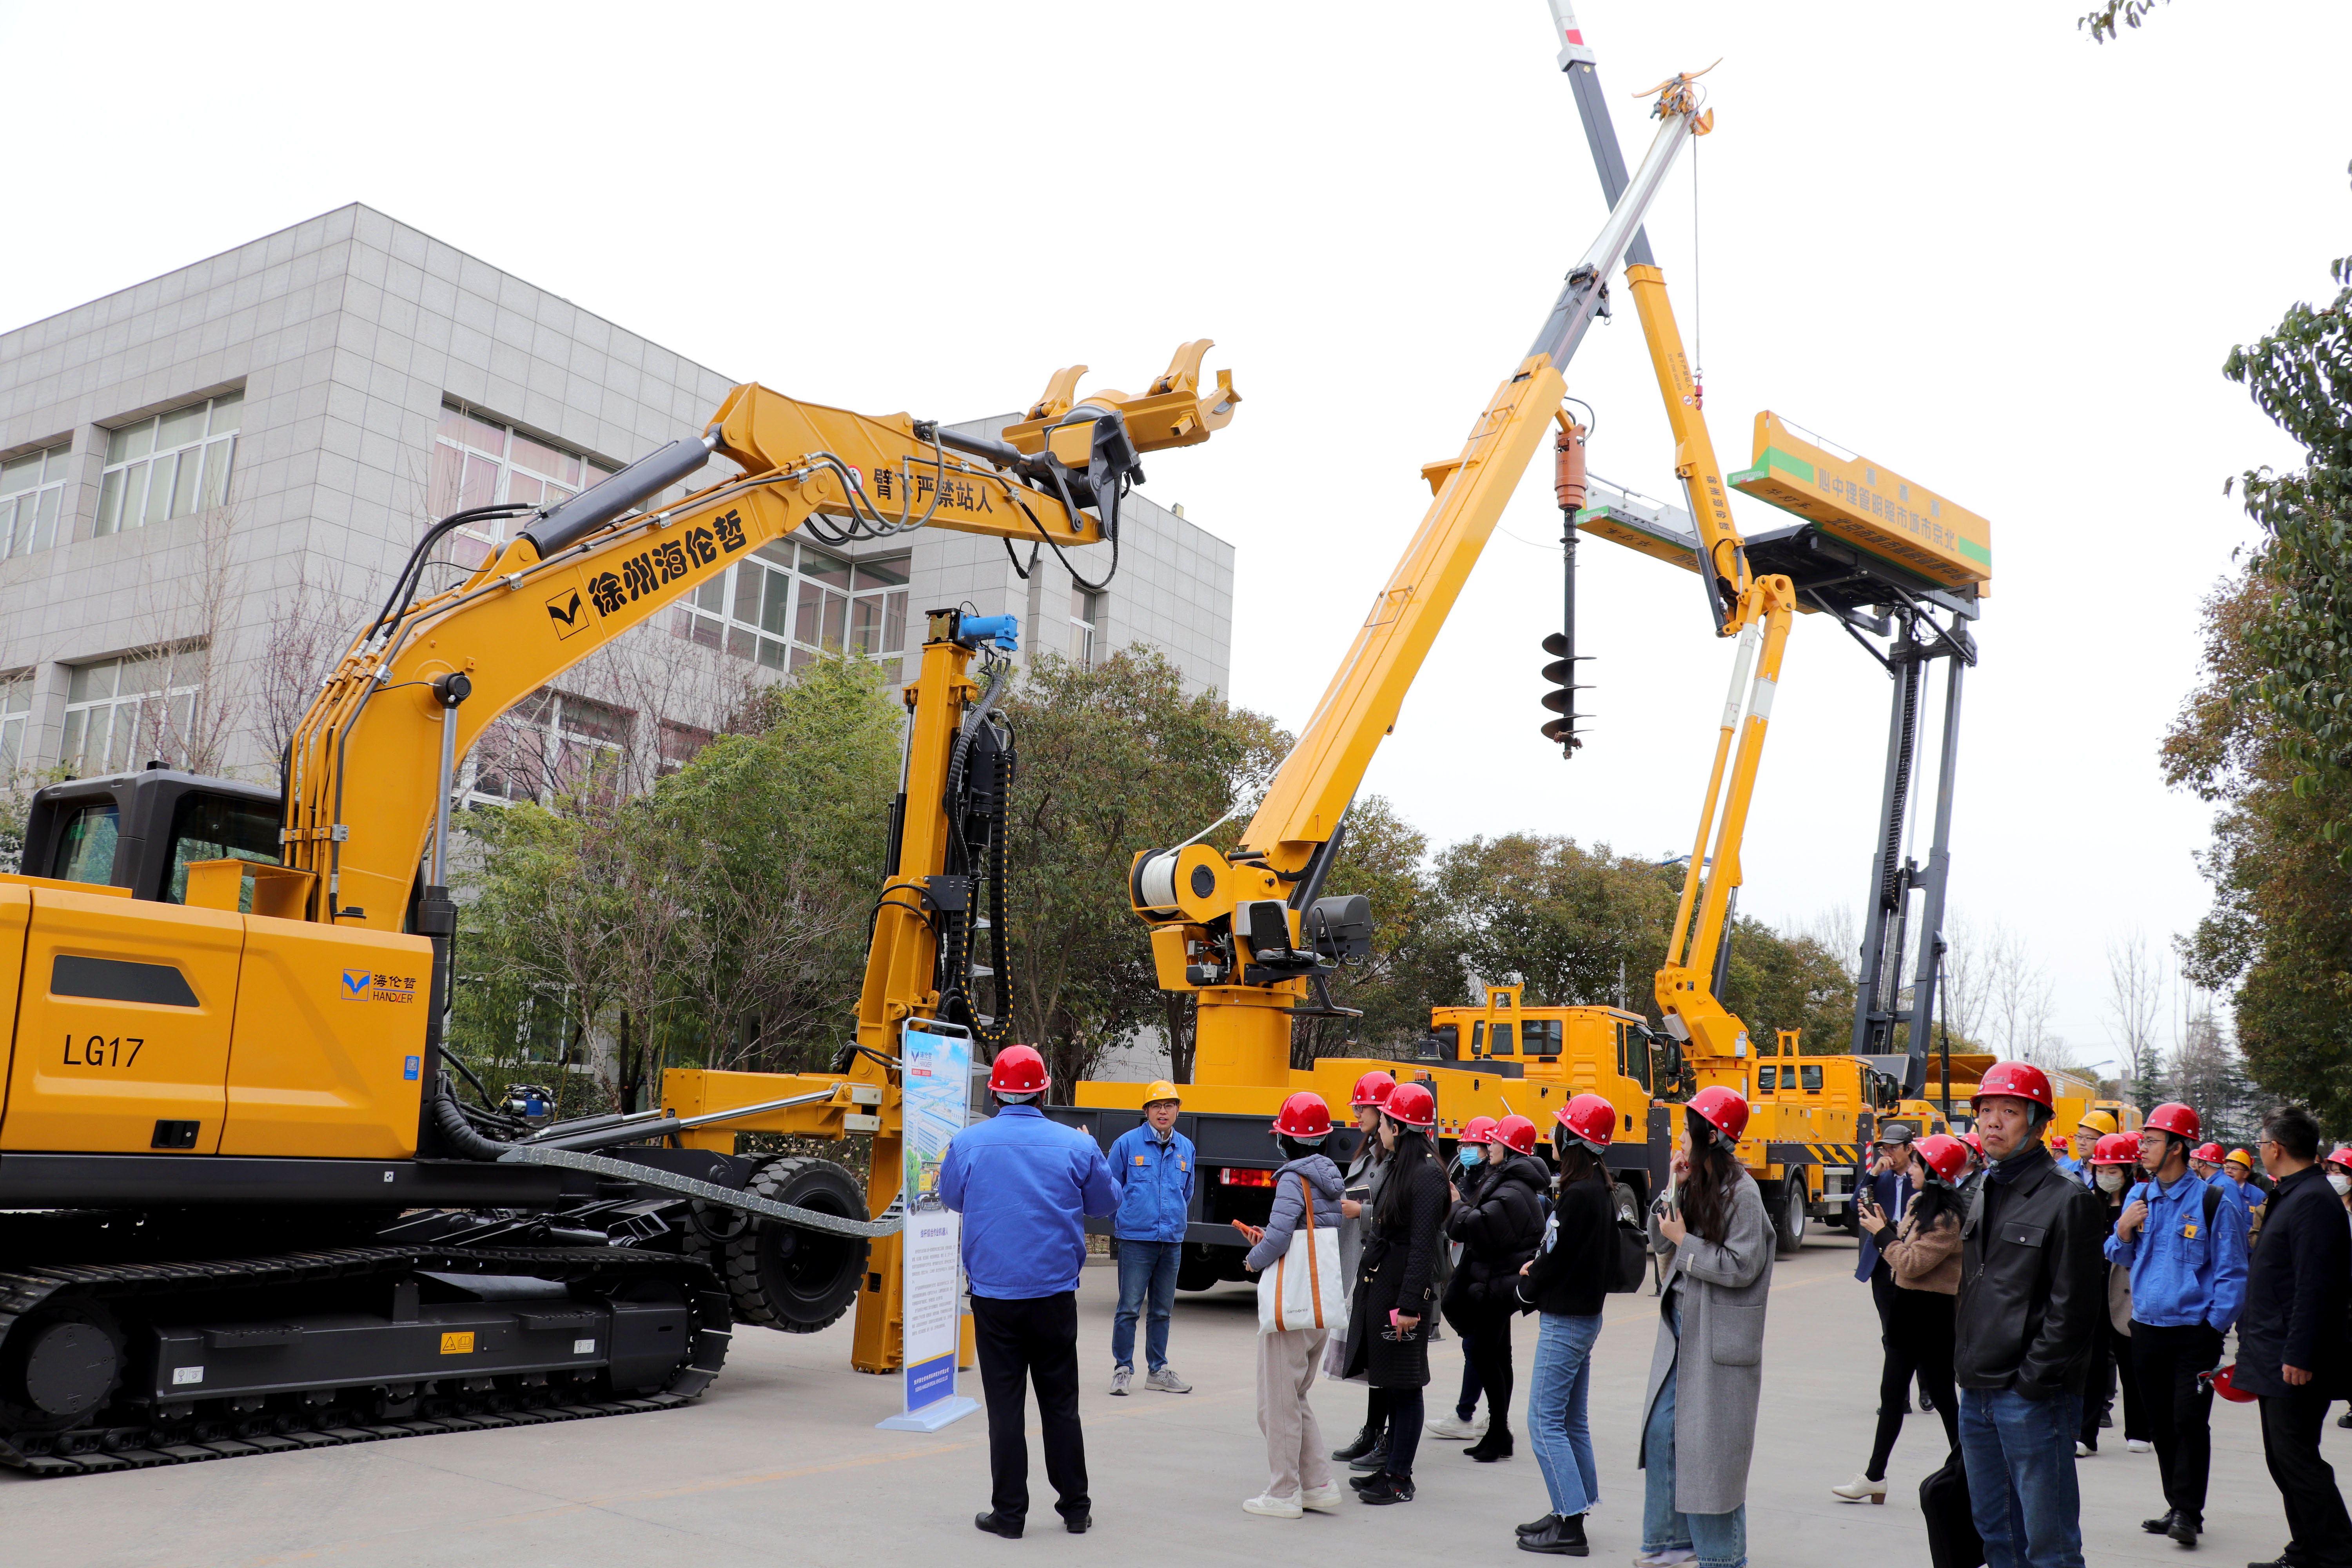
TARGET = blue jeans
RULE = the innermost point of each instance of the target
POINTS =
(1556, 1424)
(1719, 1539)
(2020, 1455)
(1147, 1270)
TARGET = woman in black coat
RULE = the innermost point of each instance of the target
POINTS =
(1395, 1285)
(1499, 1222)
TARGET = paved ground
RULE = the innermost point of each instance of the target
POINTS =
(780, 1464)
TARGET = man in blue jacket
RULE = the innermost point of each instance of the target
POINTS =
(1024, 1185)
(1154, 1166)
(2184, 1241)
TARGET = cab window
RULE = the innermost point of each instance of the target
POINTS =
(208, 828)
(85, 851)
(1766, 1079)
(1502, 1040)
(1811, 1078)
(1543, 1036)
(1634, 1055)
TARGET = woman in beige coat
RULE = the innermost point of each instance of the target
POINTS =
(1706, 1373)
(1924, 1254)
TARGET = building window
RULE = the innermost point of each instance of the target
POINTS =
(1085, 616)
(681, 744)
(169, 466)
(551, 744)
(16, 722)
(480, 462)
(122, 712)
(790, 603)
(32, 496)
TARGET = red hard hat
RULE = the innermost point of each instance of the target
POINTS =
(1589, 1118)
(1946, 1155)
(1975, 1143)
(2021, 1080)
(1414, 1106)
(2116, 1149)
(1721, 1109)
(2225, 1384)
(1517, 1135)
(1018, 1069)
(2341, 1158)
(1304, 1115)
(2178, 1120)
(1479, 1130)
(2210, 1152)
(1372, 1089)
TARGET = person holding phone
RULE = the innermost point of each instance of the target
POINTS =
(1287, 1359)
(1923, 1253)
(1396, 1282)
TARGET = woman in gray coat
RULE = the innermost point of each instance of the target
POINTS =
(1698, 1427)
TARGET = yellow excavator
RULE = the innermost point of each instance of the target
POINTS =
(249, 1208)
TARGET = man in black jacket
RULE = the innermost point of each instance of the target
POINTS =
(2032, 1290)
(2291, 1336)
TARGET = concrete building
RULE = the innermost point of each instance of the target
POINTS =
(207, 480)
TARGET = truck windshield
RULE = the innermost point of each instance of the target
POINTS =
(85, 851)
(209, 828)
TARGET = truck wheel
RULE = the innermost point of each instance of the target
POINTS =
(1788, 1215)
(784, 1278)
(1628, 1207)
(1198, 1266)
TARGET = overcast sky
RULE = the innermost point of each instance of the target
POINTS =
(1961, 240)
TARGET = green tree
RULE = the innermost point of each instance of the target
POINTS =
(1383, 858)
(1776, 983)
(1574, 924)
(1111, 759)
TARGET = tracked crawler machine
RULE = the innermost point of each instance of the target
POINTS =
(253, 1212)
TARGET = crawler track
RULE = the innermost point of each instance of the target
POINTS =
(124, 1434)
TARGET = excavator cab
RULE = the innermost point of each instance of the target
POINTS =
(142, 831)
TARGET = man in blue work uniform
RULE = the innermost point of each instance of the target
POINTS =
(1024, 1185)
(2184, 1240)
(1154, 1166)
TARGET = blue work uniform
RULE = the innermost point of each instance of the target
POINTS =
(1029, 1183)
(1154, 1176)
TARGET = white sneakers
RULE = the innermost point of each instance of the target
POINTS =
(2139, 1446)
(1324, 1498)
(1453, 1426)
(2083, 1450)
(1164, 1381)
(1859, 1488)
(1121, 1378)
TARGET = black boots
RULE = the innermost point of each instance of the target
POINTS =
(1536, 1526)
(1365, 1441)
(1496, 1445)
(1563, 1536)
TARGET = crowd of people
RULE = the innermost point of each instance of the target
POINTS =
(2018, 1284)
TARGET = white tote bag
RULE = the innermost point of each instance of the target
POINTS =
(1304, 1288)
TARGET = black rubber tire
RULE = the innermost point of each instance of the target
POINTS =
(796, 1280)
(1199, 1267)
(1789, 1216)
(1628, 1207)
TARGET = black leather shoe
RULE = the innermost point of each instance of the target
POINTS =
(1488, 1449)
(2160, 1526)
(2271, 1563)
(1366, 1441)
(1372, 1463)
(1386, 1489)
(997, 1524)
(2106, 1421)
(1927, 1406)
(1564, 1539)
(1364, 1483)
(1536, 1527)
(1079, 1523)
(2184, 1531)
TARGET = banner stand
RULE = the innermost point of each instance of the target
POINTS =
(935, 1103)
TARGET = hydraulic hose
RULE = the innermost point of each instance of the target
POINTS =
(464, 1140)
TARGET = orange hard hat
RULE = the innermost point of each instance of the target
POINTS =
(1304, 1115)
(1412, 1105)
(1945, 1155)
(2019, 1081)
(1479, 1130)
(2176, 1119)
(1517, 1135)
(1721, 1109)
(1018, 1069)
(1591, 1119)
(1372, 1090)
(2239, 1157)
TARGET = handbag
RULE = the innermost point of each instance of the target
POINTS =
(1303, 1289)
(1631, 1258)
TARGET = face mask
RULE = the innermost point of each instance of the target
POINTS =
(1473, 1153)
(2111, 1179)
(2342, 1184)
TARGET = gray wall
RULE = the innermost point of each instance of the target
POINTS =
(346, 334)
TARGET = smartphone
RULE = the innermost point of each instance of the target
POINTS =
(1362, 1194)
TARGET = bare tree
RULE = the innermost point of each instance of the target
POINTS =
(1833, 927)
(1967, 976)
(311, 623)
(198, 697)
(2022, 1000)
(2134, 996)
